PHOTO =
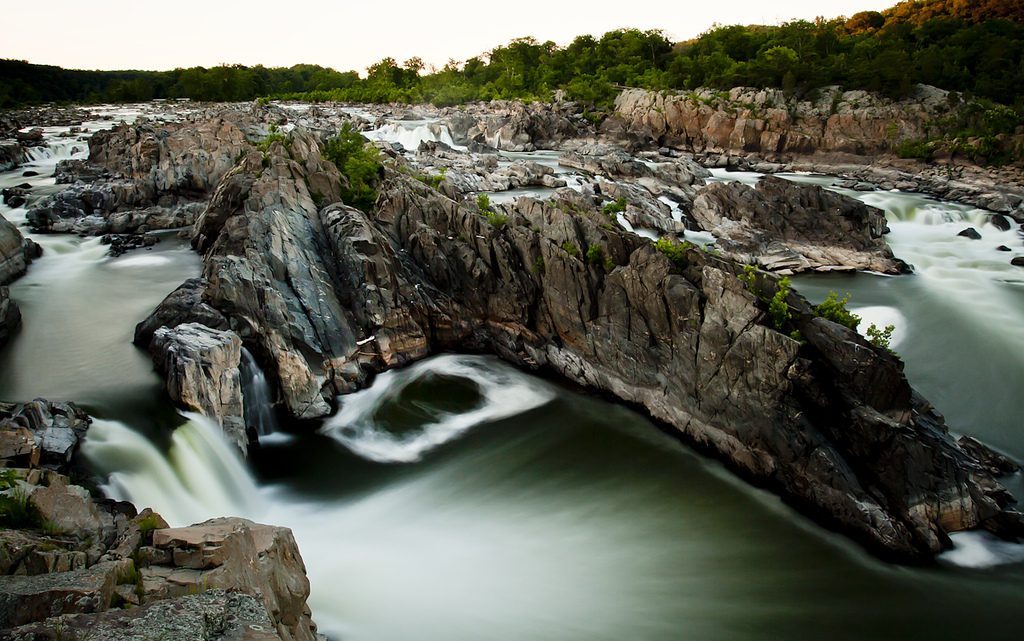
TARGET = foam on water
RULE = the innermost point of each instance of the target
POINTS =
(504, 392)
(982, 550)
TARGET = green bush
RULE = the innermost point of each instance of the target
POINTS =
(538, 265)
(675, 252)
(918, 149)
(570, 249)
(834, 309)
(880, 337)
(359, 162)
(483, 203)
(15, 511)
(617, 206)
(778, 308)
(495, 219)
(272, 137)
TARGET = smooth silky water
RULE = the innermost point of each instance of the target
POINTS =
(460, 499)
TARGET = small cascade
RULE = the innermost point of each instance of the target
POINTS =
(410, 134)
(259, 407)
(200, 476)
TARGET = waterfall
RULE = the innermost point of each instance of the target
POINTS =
(200, 476)
(258, 402)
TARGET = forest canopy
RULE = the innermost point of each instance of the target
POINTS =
(970, 46)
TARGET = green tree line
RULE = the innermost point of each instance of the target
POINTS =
(975, 47)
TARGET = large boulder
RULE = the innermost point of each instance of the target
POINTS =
(787, 227)
(200, 365)
(236, 554)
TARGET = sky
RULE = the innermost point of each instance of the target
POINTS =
(140, 34)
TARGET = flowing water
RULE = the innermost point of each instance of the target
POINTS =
(459, 499)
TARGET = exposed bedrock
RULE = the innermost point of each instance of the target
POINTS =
(786, 227)
(326, 297)
(770, 123)
(514, 125)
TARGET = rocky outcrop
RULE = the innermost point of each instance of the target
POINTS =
(328, 296)
(786, 227)
(232, 552)
(185, 304)
(773, 125)
(146, 176)
(515, 126)
(200, 366)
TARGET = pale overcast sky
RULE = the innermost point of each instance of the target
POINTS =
(138, 34)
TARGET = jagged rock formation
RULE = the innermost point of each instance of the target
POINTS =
(146, 176)
(831, 424)
(786, 227)
(773, 125)
(201, 368)
(515, 126)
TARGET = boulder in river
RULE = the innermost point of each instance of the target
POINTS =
(10, 316)
(200, 365)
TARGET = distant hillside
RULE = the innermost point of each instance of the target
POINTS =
(974, 47)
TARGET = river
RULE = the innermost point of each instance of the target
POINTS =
(460, 499)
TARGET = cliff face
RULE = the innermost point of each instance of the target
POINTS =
(768, 123)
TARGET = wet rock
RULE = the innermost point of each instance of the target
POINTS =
(31, 137)
(1000, 222)
(29, 173)
(185, 304)
(1018, 261)
(1003, 248)
(514, 126)
(50, 432)
(788, 227)
(997, 464)
(122, 243)
(10, 316)
(12, 154)
(971, 233)
(200, 365)
(14, 196)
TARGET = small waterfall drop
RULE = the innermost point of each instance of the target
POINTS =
(259, 407)
(200, 477)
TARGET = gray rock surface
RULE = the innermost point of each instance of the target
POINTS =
(200, 366)
(41, 432)
(215, 615)
(786, 227)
